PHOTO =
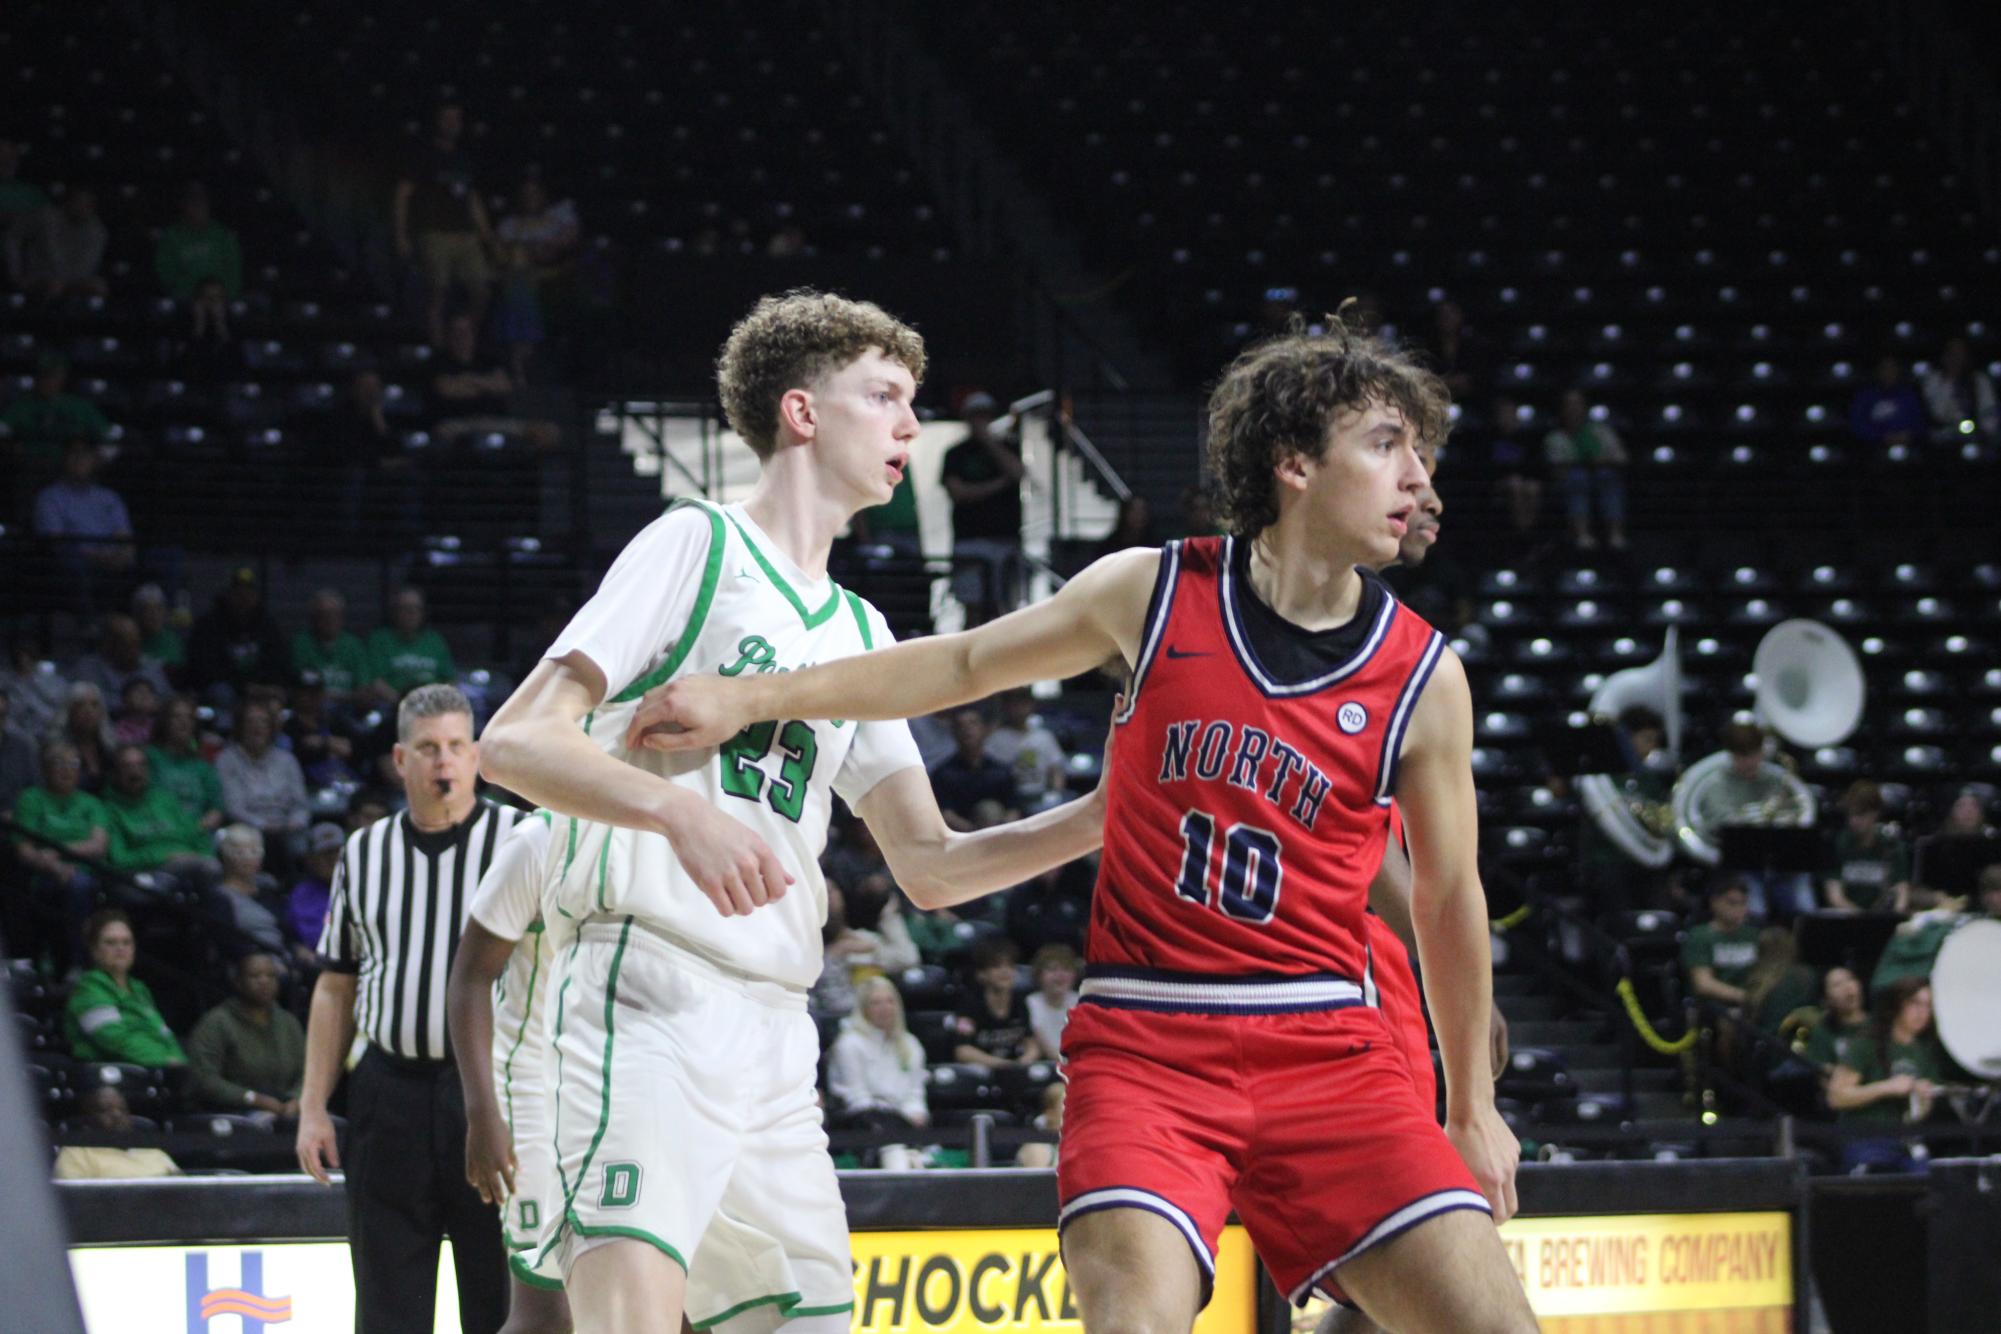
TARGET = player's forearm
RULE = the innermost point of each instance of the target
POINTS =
(549, 760)
(1457, 964)
(959, 867)
(904, 681)
(329, 1033)
(1389, 895)
(469, 1018)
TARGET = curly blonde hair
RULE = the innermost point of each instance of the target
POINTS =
(1282, 397)
(789, 341)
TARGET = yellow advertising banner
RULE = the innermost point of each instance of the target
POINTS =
(988, 1281)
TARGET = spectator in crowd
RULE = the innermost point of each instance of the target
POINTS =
(20, 756)
(1752, 792)
(138, 713)
(893, 524)
(369, 805)
(1458, 355)
(1518, 467)
(17, 197)
(876, 1071)
(119, 659)
(150, 829)
(993, 1026)
(323, 750)
(106, 1114)
(1133, 527)
(1588, 459)
(1914, 948)
(549, 230)
(372, 480)
(1888, 1076)
(1717, 955)
(1887, 411)
(875, 914)
(250, 897)
(1053, 908)
(1871, 867)
(179, 766)
(969, 775)
(158, 639)
(441, 222)
(249, 1053)
(472, 395)
(36, 687)
(206, 352)
(407, 652)
(982, 474)
(1960, 397)
(111, 1015)
(61, 887)
(517, 318)
(263, 786)
(1842, 1017)
(195, 248)
(1027, 749)
(236, 645)
(41, 422)
(86, 525)
(306, 909)
(1778, 984)
(1048, 1119)
(1965, 817)
(57, 250)
(333, 653)
(1057, 969)
(1433, 585)
(832, 995)
(86, 726)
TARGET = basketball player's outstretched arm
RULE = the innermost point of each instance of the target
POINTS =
(1449, 910)
(1097, 616)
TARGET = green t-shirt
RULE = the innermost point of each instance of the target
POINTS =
(147, 831)
(1729, 953)
(104, 1023)
(188, 256)
(342, 668)
(190, 778)
(1830, 1039)
(45, 425)
(1912, 950)
(66, 820)
(1873, 1062)
(167, 647)
(899, 515)
(408, 663)
(1868, 874)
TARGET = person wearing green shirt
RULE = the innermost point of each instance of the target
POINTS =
(48, 417)
(1871, 869)
(247, 1053)
(1842, 1017)
(1890, 1075)
(326, 648)
(196, 248)
(178, 766)
(150, 829)
(1717, 955)
(158, 639)
(406, 653)
(111, 1014)
(60, 812)
(894, 524)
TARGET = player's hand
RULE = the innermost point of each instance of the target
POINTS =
(315, 1144)
(688, 713)
(1490, 1152)
(1497, 1040)
(728, 862)
(490, 1163)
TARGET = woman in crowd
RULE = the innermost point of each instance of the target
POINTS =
(111, 1014)
(876, 1072)
(1889, 1076)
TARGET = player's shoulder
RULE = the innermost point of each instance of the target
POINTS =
(687, 522)
(1128, 573)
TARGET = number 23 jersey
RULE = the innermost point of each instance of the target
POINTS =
(1247, 814)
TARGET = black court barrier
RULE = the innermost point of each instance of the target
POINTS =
(1606, 1246)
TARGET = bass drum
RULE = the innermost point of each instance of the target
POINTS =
(1966, 997)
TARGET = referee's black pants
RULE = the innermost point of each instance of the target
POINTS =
(406, 1189)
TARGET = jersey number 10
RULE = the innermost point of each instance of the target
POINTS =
(1247, 889)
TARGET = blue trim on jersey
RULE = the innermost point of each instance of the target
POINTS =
(1195, 1007)
(1393, 735)
(1159, 609)
(1138, 973)
(1240, 640)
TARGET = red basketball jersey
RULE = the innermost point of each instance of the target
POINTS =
(1246, 817)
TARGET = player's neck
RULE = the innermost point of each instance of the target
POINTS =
(799, 518)
(1306, 582)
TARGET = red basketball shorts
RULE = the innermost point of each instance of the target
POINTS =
(1403, 1007)
(1308, 1124)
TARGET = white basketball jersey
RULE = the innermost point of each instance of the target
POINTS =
(508, 903)
(747, 609)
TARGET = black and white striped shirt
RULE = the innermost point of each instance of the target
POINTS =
(399, 900)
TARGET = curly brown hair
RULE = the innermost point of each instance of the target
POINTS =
(789, 341)
(1282, 397)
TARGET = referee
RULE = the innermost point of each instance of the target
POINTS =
(399, 899)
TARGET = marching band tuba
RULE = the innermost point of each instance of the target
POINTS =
(1643, 830)
(1809, 690)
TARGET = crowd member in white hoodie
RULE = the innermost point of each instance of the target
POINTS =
(877, 1069)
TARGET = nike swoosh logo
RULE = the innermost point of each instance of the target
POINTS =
(1174, 652)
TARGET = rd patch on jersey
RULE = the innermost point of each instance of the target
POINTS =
(1351, 718)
